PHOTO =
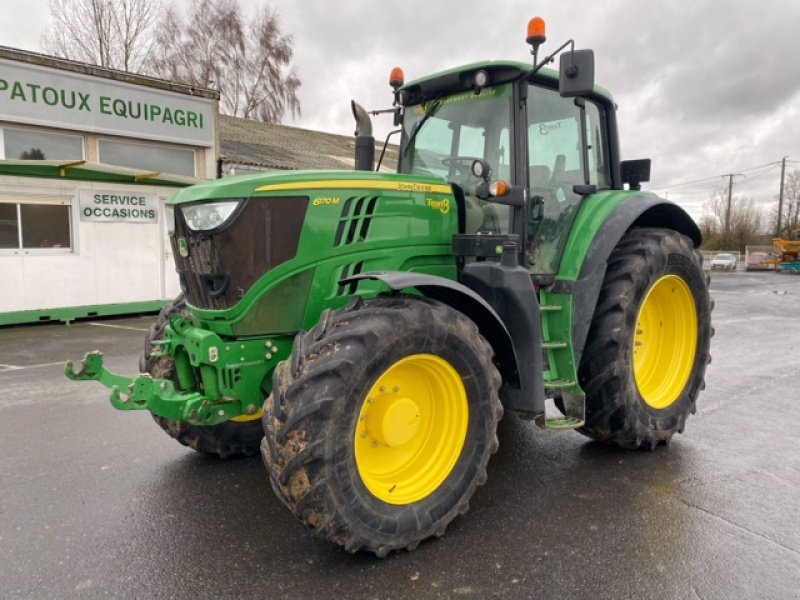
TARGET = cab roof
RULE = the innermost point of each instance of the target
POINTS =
(459, 79)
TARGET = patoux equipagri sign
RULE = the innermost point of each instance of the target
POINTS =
(46, 96)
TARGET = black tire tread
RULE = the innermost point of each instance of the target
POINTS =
(296, 429)
(605, 372)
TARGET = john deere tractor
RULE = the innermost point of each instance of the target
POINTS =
(366, 331)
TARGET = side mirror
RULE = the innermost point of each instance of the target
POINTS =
(576, 73)
(634, 172)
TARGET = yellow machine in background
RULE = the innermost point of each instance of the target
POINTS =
(786, 255)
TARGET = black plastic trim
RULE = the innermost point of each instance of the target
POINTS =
(508, 289)
(464, 300)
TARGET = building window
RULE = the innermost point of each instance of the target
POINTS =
(9, 226)
(35, 225)
(161, 159)
(29, 144)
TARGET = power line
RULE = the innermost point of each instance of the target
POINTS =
(754, 177)
(770, 164)
(690, 192)
(714, 177)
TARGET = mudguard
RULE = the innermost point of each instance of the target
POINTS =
(470, 303)
(637, 211)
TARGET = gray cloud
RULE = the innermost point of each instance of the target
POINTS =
(704, 87)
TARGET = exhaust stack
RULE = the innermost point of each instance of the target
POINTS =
(365, 142)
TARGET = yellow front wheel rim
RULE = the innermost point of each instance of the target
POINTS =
(665, 341)
(411, 429)
(246, 418)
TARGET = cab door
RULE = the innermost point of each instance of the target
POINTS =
(566, 147)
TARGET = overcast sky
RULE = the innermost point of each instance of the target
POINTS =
(704, 88)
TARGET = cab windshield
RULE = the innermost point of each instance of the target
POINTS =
(444, 136)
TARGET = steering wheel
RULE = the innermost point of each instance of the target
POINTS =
(462, 164)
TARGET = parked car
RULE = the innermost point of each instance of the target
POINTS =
(756, 261)
(726, 262)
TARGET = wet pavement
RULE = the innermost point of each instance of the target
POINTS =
(97, 503)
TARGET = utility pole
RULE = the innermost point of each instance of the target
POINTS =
(780, 198)
(728, 209)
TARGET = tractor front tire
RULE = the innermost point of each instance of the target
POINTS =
(381, 424)
(648, 344)
(230, 439)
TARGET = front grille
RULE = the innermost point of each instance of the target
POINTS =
(221, 266)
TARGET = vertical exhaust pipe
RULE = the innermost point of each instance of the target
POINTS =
(365, 142)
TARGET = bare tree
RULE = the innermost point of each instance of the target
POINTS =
(744, 224)
(250, 65)
(111, 33)
(790, 219)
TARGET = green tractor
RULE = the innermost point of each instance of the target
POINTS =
(367, 331)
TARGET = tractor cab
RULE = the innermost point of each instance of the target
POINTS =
(554, 148)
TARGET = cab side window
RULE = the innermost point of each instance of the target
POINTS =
(556, 164)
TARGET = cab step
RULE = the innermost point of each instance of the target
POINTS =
(562, 423)
(574, 408)
(549, 307)
(555, 345)
(559, 384)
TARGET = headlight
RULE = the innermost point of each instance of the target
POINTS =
(209, 215)
(169, 211)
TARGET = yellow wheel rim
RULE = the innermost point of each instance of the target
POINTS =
(665, 341)
(411, 429)
(246, 418)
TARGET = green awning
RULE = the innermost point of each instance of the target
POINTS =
(82, 170)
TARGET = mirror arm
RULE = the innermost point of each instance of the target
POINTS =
(385, 144)
(482, 190)
(581, 104)
(548, 59)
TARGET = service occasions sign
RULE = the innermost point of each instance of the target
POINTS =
(46, 96)
(115, 206)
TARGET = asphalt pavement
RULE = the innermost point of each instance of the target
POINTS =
(96, 503)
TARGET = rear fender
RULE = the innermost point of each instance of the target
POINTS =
(637, 211)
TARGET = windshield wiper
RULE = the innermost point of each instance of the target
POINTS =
(429, 112)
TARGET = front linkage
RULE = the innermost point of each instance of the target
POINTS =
(214, 381)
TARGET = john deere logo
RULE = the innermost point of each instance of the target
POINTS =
(183, 247)
(443, 206)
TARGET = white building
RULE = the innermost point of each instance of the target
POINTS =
(88, 156)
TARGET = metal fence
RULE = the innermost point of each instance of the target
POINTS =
(755, 254)
(708, 256)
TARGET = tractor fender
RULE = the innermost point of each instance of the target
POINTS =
(462, 299)
(638, 211)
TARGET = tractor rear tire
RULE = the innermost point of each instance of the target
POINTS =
(230, 439)
(648, 344)
(381, 424)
